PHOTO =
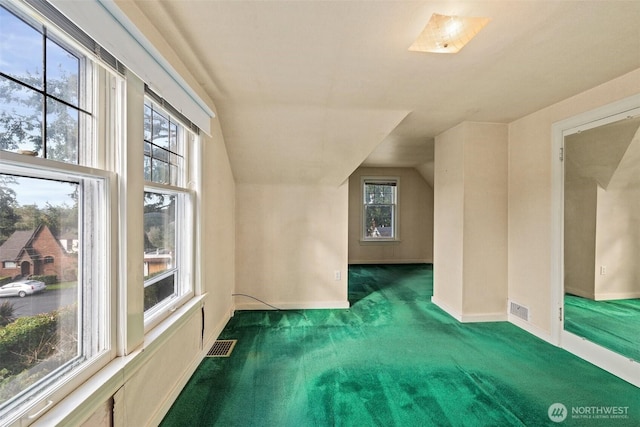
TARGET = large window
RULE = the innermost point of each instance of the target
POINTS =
(54, 323)
(42, 81)
(168, 218)
(379, 211)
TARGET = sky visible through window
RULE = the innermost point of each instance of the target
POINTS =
(52, 192)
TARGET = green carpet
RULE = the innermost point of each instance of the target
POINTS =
(393, 359)
(612, 324)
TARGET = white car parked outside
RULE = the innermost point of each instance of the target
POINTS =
(22, 288)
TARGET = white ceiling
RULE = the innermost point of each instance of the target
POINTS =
(306, 91)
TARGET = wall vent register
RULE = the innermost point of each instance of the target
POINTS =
(222, 348)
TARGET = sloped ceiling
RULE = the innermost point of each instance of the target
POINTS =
(598, 153)
(307, 91)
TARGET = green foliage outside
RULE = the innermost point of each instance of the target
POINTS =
(157, 292)
(23, 125)
(48, 279)
(32, 347)
(378, 200)
(159, 221)
(7, 313)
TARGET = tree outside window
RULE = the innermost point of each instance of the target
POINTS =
(379, 209)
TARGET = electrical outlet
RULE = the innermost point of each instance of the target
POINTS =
(337, 275)
(603, 270)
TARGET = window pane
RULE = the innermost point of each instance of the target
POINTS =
(63, 70)
(160, 131)
(159, 245)
(173, 137)
(174, 175)
(20, 50)
(148, 122)
(39, 320)
(20, 118)
(164, 144)
(159, 153)
(379, 193)
(62, 132)
(147, 168)
(159, 290)
(159, 171)
(379, 221)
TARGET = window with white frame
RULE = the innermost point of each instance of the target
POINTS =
(379, 208)
(51, 184)
(168, 217)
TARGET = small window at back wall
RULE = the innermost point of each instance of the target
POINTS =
(379, 209)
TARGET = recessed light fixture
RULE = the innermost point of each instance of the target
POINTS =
(447, 34)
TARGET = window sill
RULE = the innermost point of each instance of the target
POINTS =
(380, 242)
(81, 403)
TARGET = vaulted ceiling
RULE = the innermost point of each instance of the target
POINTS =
(306, 91)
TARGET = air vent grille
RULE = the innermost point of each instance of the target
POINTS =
(519, 311)
(222, 348)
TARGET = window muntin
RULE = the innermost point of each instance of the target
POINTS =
(168, 218)
(44, 100)
(379, 209)
(163, 148)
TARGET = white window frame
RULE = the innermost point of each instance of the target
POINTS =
(98, 208)
(395, 209)
(94, 269)
(183, 271)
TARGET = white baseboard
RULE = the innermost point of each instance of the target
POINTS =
(608, 296)
(484, 317)
(620, 366)
(531, 328)
(603, 296)
(579, 292)
(188, 373)
(302, 305)
(444, 307)
(390, 261)
(470, 318)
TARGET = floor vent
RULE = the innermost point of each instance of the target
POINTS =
(222, 348)
(519, 311)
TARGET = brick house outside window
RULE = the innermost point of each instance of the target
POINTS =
(36, 252)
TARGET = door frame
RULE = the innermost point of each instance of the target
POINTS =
(606, 359)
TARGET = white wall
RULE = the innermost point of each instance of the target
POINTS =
(618, 231)
(485, 226)
(290, 242)
(470, 238)
(602, 212)
(448, 220)
(415, 228)
(581, 201)
(530, 198)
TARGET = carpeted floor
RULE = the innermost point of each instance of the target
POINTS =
(612, 324)
(394, 359)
